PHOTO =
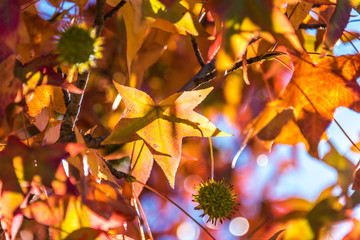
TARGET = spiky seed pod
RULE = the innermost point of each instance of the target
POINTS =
(216, 200)
(79, 47)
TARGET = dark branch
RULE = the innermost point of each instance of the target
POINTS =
(116, 173)
(66, 97)
(90, 141)
(94, 142)
(312, 26)
(208, 72)
(197, 51)
(73, 107)
(114, 10)
(99, 16)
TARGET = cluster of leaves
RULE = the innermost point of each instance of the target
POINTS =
(272, 80)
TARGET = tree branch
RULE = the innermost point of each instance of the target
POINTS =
(312, 26)
(90, 141)
(73, 107)
(197, 51)
(118, 174)
(114, 10)
(208, 72)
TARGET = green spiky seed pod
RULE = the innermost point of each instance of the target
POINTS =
(79, 47)
(216, 200)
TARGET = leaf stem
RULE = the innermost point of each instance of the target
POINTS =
(175, 204)
(211, 158)
(142, 233)
(198, 55)
(142, 212)
(110, 13)
(137, 158)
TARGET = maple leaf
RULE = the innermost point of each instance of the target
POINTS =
(316, 92)
(139, 15)
(162, 126)
(313, 93)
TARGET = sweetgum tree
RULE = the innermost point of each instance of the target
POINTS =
(94, 92)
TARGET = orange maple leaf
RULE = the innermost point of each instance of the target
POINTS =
(313, 94)
(162, 126)
(316, 92)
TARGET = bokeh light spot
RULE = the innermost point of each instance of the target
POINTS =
(187, 231)
(262, 160)
(239, 226)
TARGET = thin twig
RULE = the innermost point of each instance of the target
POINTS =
(312, 25)
(116, 173)
(208, 72)
(142, 212)
(91, 142)
(110, 13)
(351, 43)
(140, 220)
(197, 51)
(137, 158)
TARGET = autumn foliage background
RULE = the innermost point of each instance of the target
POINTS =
(260, 78)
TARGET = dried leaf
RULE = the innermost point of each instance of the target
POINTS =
(162, 126)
